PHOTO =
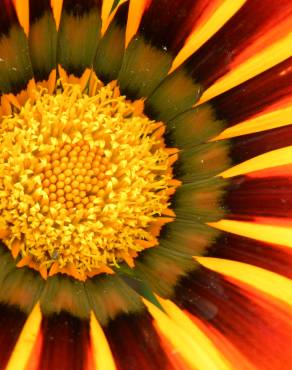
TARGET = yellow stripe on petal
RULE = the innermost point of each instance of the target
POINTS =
(205, 344)
(192, 345)
(266, 121)
(206, 30)
(136, 10)
(26, 341)
(262, 232)
(107, 15)
(260, 62)
(263, 280)
(22, 11)
(101, 350)
(274, 158)
(57, 6)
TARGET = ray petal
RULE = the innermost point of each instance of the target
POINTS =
(254, 324)
(26, 341)
(66, 342)
(259, 231)
(102, 353)
(135, 343)
(265, 281)
(205, 346)
(274, 158)
(273, 257)
(194, 347)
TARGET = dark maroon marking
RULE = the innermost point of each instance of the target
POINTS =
(11, 323)
(254, 95)
(213, 59)
(78, 8)
(248, 146)
(259, 197)
(264, 255)
(65, 343)
(135, 344)
(8, 16)
(252, 326)
(121, 15)
(37, 8)
(167, 24)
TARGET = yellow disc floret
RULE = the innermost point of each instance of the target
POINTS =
(84, 181)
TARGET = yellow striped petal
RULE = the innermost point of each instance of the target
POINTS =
(57, 6)
(26, 341)
(22, 11)
(255, 65)
(263, 232)
(101, 350)
(263, 280)
(265, 121)
(201, 35)
(274, 158)
(206, 347)
(136, 9)
(194, 352)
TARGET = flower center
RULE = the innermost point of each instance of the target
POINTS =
(85, 181)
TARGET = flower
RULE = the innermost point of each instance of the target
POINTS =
(145, 175)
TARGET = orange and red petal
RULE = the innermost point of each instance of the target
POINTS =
(162, 29)
(155, 38)
(249, 197)
(65, 343)
(254, 323)
(273, 257)
(255, 23)
(135, 343)
(260, 94)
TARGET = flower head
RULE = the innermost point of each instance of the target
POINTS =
(145, 174)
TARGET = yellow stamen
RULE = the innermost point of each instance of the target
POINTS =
(83, 180)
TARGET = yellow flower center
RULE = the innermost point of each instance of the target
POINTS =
(85, 181)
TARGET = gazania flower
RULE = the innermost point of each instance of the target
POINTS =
(145, 184)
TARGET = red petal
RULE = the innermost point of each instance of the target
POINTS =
(135, 344)
(65, 343)
(254, 323)
(254, 19)
(249, 197)
(266, 255)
